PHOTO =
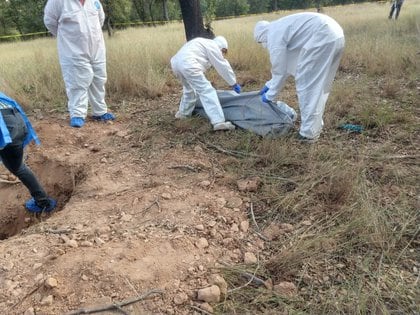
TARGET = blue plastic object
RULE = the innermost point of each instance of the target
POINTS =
(264, 99)
(77, 122)
(104, 117)
(264, 90)
(31, 206)
(352, 128)
(237, 88)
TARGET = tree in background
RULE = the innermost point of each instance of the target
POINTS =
(193, 20)
(259, 6)
(231, 8)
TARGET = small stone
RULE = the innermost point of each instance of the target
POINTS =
(250, 258)
(218, 280)
(272, 232)
(72, 243)
(166, 196)
(51, 283)
(202, 243)
(48, 300)
(29, 311)
(36, 266)
(207, 308)
(180, 298)
(99, 241)
(205, 183)
(249, 184)
(307, 222)
(244, 226)
(39, 278)
(85, 278)
(86, 244)
(210, 294)
(234, 202)
(234, 227)
(199, 227)
(126, 217)
(286, 227)
(285, 288)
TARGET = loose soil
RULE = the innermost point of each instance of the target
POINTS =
(133, 215)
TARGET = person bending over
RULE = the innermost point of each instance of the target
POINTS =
(189, 65)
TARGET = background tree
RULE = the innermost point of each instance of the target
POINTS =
(231, 8)
(193, 20)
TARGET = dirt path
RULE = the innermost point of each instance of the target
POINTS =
(126, 224)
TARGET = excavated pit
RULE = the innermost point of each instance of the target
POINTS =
(59, 180)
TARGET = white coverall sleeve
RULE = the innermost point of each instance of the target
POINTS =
(102, 16)
(221, 65)
(51, 16)
(278, 58)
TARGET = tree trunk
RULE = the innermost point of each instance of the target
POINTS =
(193, 20)
(275, 6)
(165, 10)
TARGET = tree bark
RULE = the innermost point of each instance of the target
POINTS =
(193, 20)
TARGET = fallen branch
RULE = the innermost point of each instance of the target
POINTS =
(115, 306)
(251, 278)
(27, 294)
(257, 229)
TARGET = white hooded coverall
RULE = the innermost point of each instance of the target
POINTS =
(81, 51)
(189, 65)
(309, 47)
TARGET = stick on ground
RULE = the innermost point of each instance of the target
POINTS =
(115, 306)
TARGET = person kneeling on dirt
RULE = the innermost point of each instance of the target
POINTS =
(15, 133)
(189, 64)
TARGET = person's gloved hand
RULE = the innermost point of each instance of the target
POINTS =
(237, 88)
(264, 99)
(264, 90)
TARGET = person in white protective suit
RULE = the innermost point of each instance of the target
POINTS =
(77, 24)
(309, 47)
(189, 64)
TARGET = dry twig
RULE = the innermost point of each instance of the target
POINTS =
(115, 306)
(257, 229)
(155, 202)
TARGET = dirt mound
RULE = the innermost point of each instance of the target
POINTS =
(127, 223)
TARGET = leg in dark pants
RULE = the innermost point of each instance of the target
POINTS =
(12, 156)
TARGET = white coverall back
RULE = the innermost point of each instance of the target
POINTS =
(81, 51)
(309, 47)
(189, 65)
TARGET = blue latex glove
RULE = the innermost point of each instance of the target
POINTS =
(264, 99)
(237, 88)
(264, 90)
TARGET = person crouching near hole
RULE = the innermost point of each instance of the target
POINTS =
(189, 64)
(15, 133)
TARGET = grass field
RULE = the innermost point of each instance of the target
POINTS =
(353, 199)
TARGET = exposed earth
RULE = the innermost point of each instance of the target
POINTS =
(139, 213)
